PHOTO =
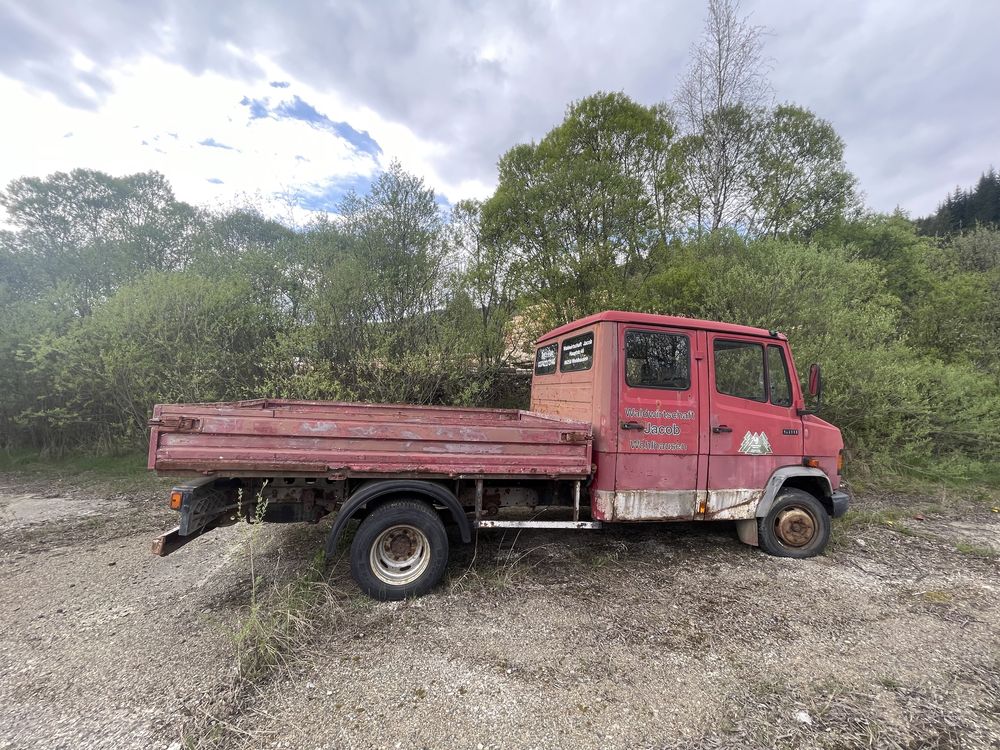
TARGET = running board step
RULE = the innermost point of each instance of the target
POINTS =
(538, 524)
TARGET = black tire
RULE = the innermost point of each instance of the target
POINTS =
(400, 550)
(797, 525)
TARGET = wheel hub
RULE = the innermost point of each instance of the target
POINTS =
(400, 555)
(401, 544)
(795, 527)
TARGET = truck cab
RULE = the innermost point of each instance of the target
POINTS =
(692, 420)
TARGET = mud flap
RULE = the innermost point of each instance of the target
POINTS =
(171, 541)
(200, 510)
(747, 530)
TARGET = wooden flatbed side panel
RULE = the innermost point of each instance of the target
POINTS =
(368, 411)
(357, 438)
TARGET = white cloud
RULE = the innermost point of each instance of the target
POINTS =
(160, 115)
(448, 86)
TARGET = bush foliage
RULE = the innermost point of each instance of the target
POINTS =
(115, 296)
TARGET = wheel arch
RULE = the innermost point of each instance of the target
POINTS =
(805, 478)
(373, 494)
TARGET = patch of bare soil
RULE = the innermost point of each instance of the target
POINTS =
(642, 636)
(101, 644)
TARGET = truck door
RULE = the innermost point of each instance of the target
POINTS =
(754, 427)
(656, 473)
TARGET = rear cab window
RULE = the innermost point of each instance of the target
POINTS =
(545, 359)
(577, 353)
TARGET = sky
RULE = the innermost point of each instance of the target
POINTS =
(290, 105)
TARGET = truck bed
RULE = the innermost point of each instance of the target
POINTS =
(331, 439)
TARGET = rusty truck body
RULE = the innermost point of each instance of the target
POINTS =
(633, 418)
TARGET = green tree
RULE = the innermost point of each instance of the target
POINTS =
(893, 243)
(799, 182)
(901, 406)
(978, 250)
(381, 322)
(490, 278)
(397, 235)
(583, 208)
(719, 166)
(96, 232)
(264, 252)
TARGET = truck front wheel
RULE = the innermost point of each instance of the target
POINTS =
(797, 525)
(400, 550)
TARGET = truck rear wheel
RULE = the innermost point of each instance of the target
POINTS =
(797, 525)
(400, 550)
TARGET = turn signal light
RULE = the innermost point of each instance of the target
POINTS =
(840, 462)
(812, 463)
(176, 498)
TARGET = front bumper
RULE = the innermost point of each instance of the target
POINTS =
(840, 500)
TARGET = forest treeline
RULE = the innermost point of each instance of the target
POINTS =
(115, 296)
(967, 209)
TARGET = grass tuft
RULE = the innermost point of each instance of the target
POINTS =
(278, 619)
(976, 550)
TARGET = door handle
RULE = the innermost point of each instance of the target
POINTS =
(631, 426)
(721, 428)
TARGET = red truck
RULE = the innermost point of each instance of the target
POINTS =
(634, 418)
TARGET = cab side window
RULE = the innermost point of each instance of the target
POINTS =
(739, 369)
(657, 360)
(777, 377)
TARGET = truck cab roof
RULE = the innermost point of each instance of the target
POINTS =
(620, 316)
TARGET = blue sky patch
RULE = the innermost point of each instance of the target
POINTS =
(258, 107)
(215, 144)
(328, 197)
(280, 84)
(299, 109)
(215, 180)
(442, 201)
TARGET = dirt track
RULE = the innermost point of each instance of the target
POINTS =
(633, 637)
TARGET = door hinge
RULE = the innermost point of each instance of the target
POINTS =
(175, 423)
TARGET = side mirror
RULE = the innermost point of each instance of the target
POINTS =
(815, 389)
(815, 381)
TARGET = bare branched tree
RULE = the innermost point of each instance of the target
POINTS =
(720, 101)
(728, 67)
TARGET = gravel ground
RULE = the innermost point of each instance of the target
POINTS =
(644, 636)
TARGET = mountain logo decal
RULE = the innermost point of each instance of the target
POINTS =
(756, 444)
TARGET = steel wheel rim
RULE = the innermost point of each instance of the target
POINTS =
(795, 527)
(400, 555)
